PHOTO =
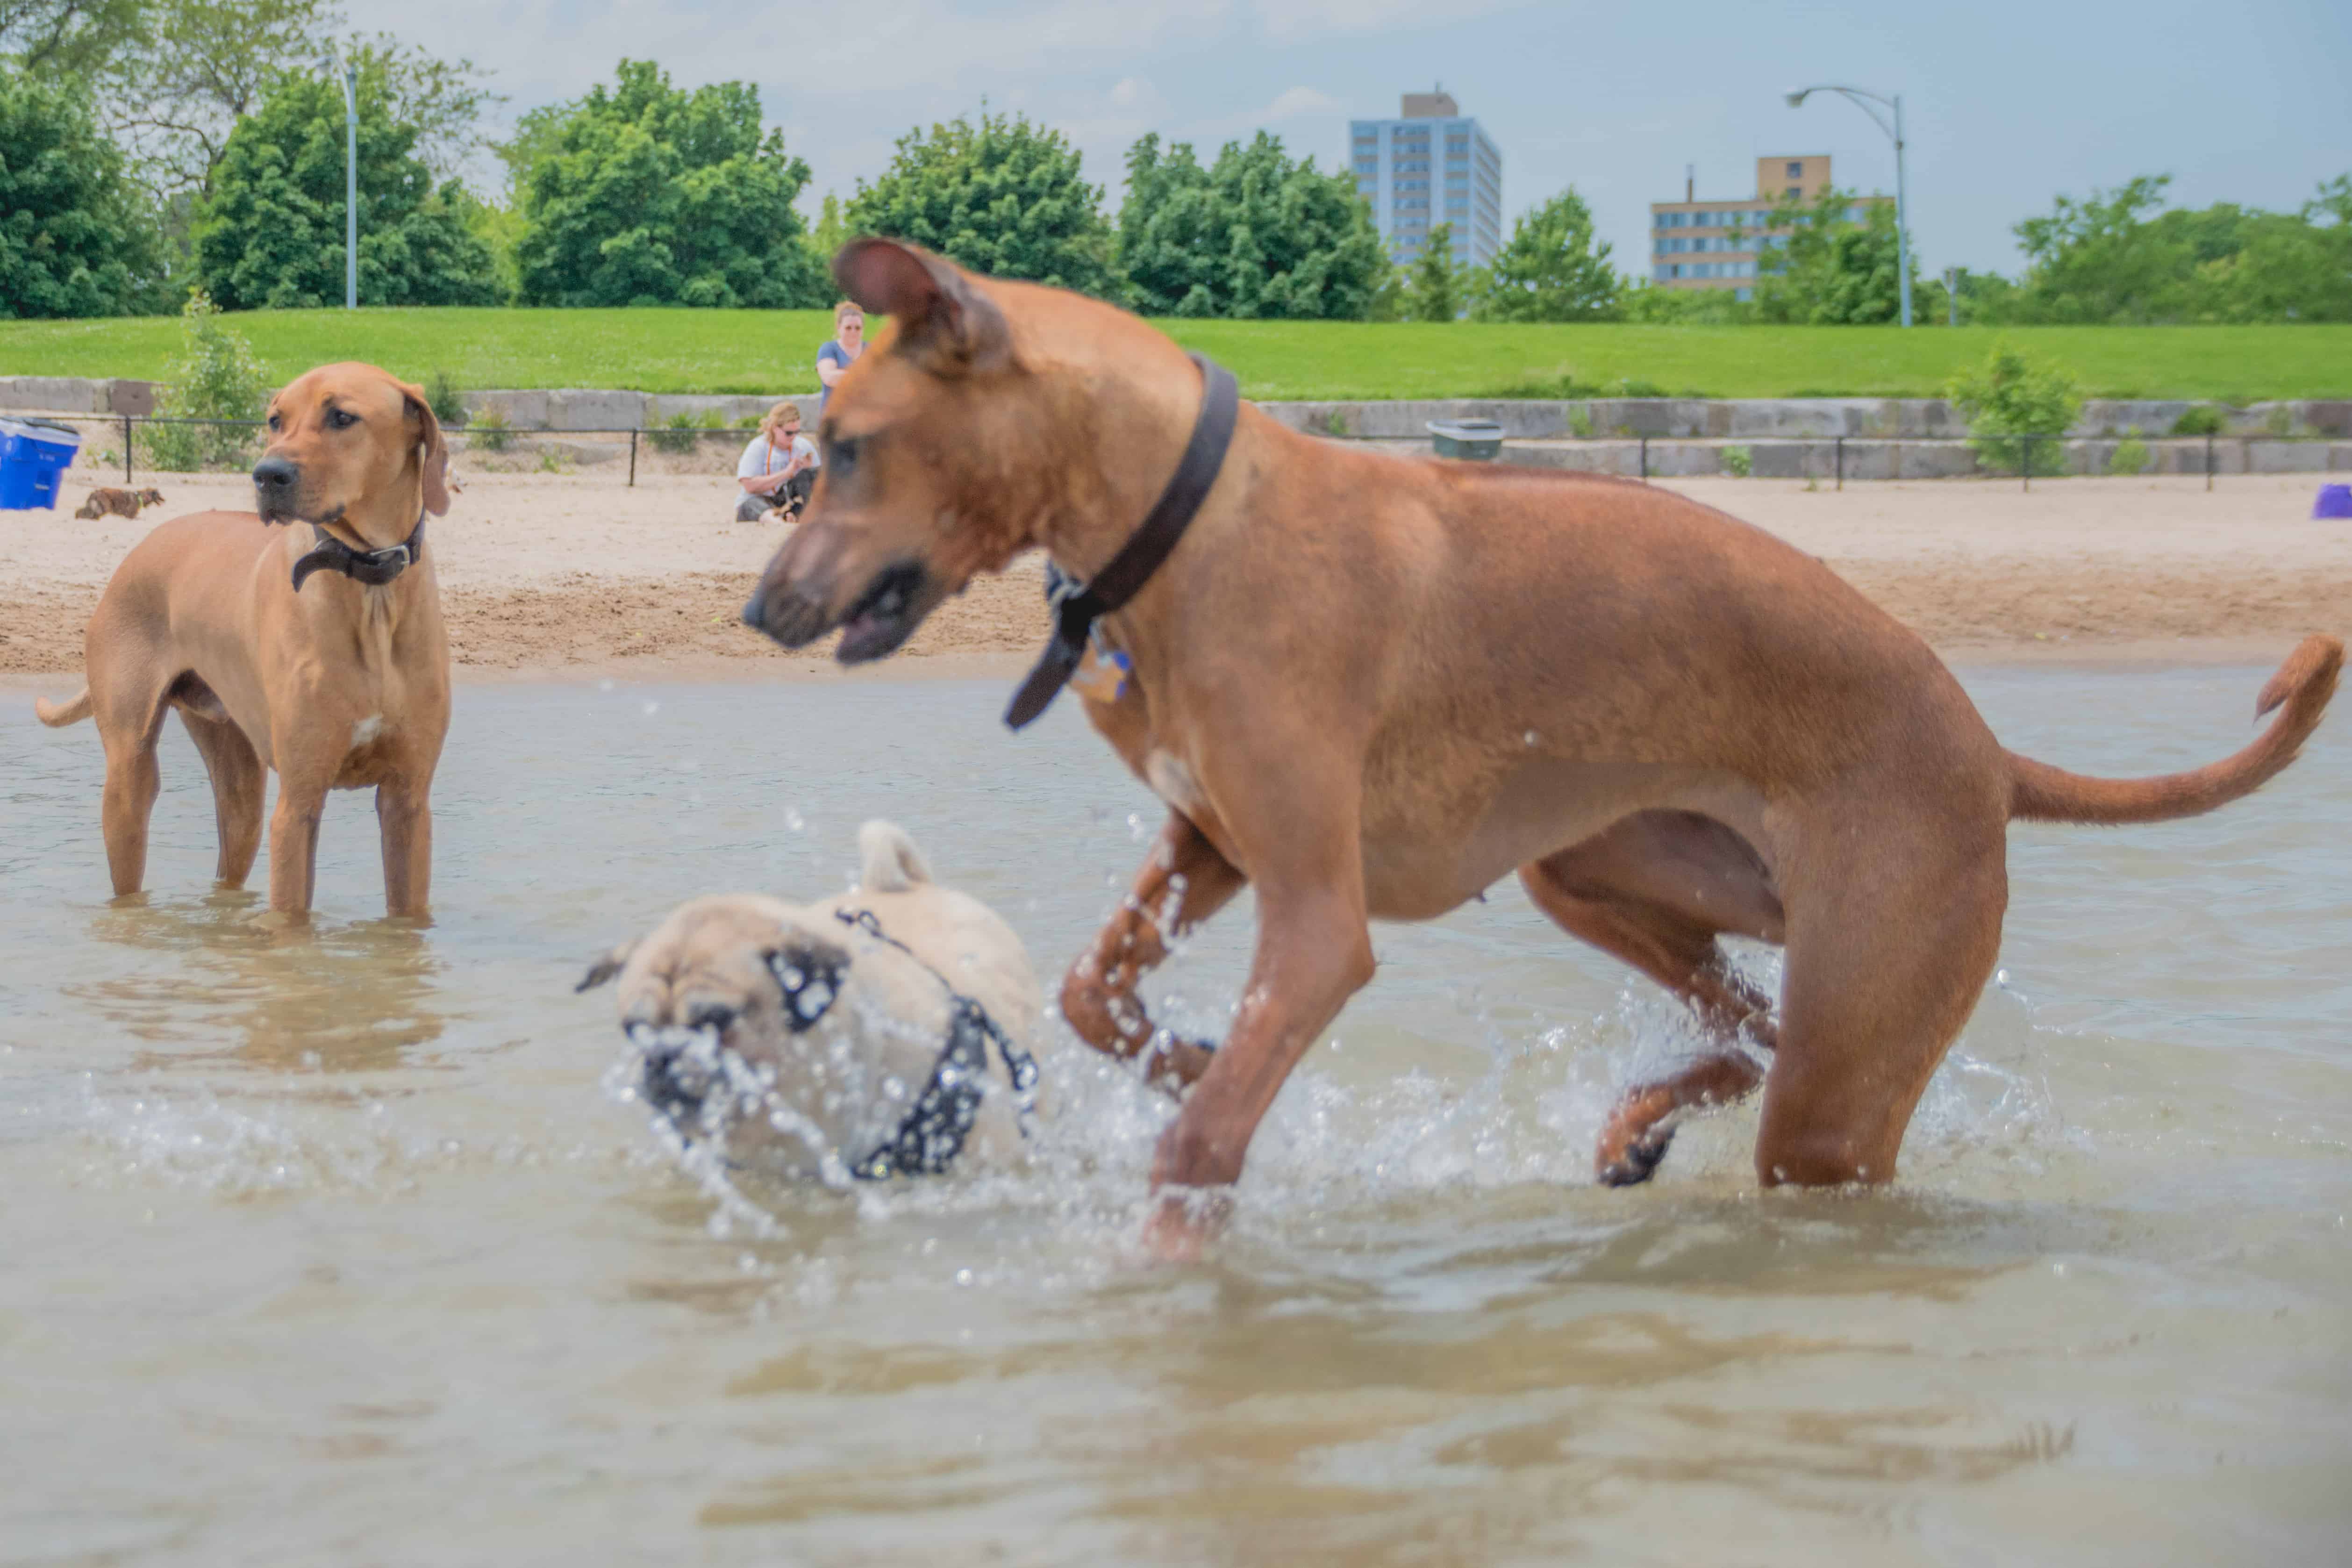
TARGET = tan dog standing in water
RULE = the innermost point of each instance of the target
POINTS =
(316, 651)
(1372, 686)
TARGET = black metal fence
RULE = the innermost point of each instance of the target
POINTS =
(180, 445)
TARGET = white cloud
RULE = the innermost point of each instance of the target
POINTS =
(1294, 101)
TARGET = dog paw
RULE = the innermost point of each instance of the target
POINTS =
(1638, 1161)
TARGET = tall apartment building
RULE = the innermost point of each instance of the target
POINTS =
(1733, 235)
(1432, 164)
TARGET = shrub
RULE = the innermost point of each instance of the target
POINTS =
(489, 431)
(447, 399)
(2280, 421)
(1738, 461)
(682, 432)
(2202, 420)
(217, 376)
(2011, 398)
(1579, 424)
(2130, 456)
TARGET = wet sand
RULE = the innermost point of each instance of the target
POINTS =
(572, 574)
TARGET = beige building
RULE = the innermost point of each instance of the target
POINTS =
(1717, 244)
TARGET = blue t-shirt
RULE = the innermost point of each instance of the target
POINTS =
(831, 353)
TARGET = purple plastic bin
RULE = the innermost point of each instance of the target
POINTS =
(2335, 500)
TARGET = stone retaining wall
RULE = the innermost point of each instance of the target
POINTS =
(1883, 457)
(577, 409)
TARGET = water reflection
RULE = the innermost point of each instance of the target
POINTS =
(355, 996)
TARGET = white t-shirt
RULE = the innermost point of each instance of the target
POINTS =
(761, 457)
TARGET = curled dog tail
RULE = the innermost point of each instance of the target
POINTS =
(58, 715)
(889, 862)
(2040, 793)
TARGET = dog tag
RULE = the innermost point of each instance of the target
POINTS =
(1102, 677)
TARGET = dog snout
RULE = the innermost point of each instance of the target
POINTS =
(673, 1083)
(274, 483)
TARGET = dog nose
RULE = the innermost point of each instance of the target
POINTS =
(671, 1085)
(273, 476)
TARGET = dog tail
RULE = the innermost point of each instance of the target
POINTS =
(891, 862)
(58, 715)
(2040, 793)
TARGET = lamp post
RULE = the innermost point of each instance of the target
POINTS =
(336, 64)
(1863, 99)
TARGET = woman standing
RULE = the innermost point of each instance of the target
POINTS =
(834, 359)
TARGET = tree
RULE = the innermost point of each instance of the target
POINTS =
(1825, 269)
(1257, 235)
(831, 233)
(271, 231)
(1551, 269)
(1434, 282)
(1001, 196)
(643, 193)
(51, 35)
(2099, 260)
(73, 241)
(2010, 396)
(192, 71)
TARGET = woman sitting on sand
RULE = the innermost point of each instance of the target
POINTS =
(778, 469)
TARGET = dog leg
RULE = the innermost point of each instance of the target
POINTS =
(239, 785)
(1098, 999)
(1889, 948)
(132, 781)
(405, 817)
(294, 844)
(1656, 890)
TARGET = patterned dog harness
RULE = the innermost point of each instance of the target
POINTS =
(933, 1134)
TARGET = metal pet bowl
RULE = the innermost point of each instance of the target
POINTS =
(1476, 440)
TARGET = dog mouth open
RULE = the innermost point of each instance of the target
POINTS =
(886, 615)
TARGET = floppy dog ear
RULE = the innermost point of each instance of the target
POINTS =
(949, 327)
(606, 967)
(432, 451)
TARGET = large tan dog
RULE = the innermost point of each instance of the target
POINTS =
(883, 1033)
(1372, 686)
(317, 651)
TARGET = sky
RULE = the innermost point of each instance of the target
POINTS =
(2006, 104)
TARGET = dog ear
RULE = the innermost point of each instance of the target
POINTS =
(604, 968)
(432, 451)
(947, 325)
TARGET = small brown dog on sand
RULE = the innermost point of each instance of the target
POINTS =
(1372, 686)
(105, 502)
(336, 683)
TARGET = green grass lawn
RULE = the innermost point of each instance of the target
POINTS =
(775, 351)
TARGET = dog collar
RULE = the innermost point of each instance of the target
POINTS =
(1079, 605)
(373, 567)
(933, 1132)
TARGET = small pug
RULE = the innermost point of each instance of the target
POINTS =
(105, 502)
(885, 1032)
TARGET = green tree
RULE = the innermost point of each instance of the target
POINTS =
(643, 193)
(1001, 196)
(1823, 268)
(1551, 269)
(51, 35)
(2100, 260)
(1254, 235)
(195, 69)
(73, 239)
(2013, 396)
(270, 233)
(1434, 283)
(831, 233)
(217, 377)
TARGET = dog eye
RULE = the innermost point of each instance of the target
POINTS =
(342, 418)
(845, 456)
(276, 419)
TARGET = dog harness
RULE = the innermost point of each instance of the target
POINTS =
(933, 1134)
(373, 567)
(1079, 605)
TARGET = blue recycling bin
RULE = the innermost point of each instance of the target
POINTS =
(34, 457)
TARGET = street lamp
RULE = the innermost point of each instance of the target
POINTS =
(1863, 99)
(334, 63)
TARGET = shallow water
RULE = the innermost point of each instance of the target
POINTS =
(337, 1245)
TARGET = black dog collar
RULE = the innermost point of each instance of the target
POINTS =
(373, 567)
(1077, 607)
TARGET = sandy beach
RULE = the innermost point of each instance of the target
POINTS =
(565, 575)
